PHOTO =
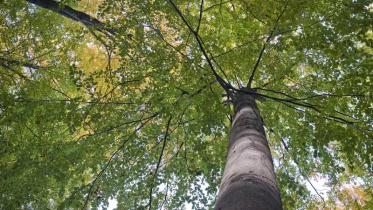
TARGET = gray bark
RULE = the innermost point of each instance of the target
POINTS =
(249, 179)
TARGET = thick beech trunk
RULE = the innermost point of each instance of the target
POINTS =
(249, 179)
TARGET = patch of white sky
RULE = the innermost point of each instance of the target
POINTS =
(113, 203)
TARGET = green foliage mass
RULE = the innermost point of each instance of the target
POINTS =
(137, 115)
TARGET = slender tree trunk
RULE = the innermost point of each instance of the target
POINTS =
(249, 179)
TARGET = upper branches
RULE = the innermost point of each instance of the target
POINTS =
(220, 80)
(251, 78)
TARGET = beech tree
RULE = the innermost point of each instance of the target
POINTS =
(145, 102)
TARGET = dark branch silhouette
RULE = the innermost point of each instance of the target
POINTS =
(73, 14)
(159, 161)
(9, 62)
(221, 81)
(200, 16)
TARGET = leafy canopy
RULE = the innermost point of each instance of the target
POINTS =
(136, 113)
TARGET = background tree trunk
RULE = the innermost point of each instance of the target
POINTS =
(249, 180)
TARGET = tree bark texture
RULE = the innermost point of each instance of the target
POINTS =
(73, 14)
(249, 179)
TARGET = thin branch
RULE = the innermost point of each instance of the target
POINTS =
(251, 78)
(239, 46)
(221, 81)
(113, 128)
(333, 118)
(160, 35)
(15, 71)
(200, 16)
(8, 62)
(165, 196)
(302, 173)
(159, 162)
(293, 99)
(278, 92)
(333, 95)
(202, 88)
(309, 25)
(313, 107)
(70, 101)
(259, 59)
(280, 77)
(92, 184)
(215, 5)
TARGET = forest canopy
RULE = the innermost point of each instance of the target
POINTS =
(129, 100)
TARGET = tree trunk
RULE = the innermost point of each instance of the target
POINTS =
(249, 179)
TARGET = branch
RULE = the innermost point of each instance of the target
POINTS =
(333, 13)
(8, 62)
(218, 4)
(23, 100)
(200, 16)
(333, 118)
(15, 71)
(278, 92)
(300, 170)
(264, 46)
(113, 128)
(333, 95)
(221, 81)
(160, 35)
(159, 162)
(92, 184)
(313, 107)
(239, 46)
(73, 14)
(292, 99)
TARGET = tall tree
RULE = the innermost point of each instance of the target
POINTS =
(136, 114)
